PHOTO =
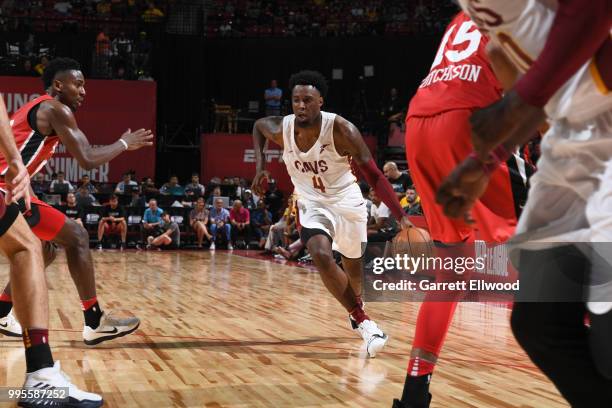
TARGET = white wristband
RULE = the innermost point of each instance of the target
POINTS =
(124, 143)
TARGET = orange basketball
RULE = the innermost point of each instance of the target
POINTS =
(414, 242)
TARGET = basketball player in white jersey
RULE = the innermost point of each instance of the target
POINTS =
(564, 50)
(318, 148)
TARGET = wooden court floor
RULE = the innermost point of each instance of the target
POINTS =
(224, 330)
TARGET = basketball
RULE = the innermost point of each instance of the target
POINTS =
(414, 242)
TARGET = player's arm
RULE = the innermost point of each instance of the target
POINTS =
(62, 120)
(585, 24)
(17, 178)
(349, 142)
(264, 130)
(504, 69)
(579, 29)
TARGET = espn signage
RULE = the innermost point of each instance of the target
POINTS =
(225, 155)
(110, 108)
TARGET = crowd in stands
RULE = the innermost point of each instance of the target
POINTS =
(233, 18)
(80, 15)
(223, 214)
(325, 18)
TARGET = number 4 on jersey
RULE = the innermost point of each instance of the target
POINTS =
(318, 183)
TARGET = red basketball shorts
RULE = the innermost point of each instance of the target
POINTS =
(44, 220)
(434, 146)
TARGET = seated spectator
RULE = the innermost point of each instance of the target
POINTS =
(61, 185)
(148, 187)
(72, 209)
(172, 187)
(127, 181)
(411, 203)
(380, 224)
(152, 14)
(215, 193)
(27, 69)
(241, 223)
(198, 219)
(151, 219)
(219, 222)
(103, 42)
(113, 222)
(39, 185)
(248, 201)
(194, 189)
(261, 220)
(170, 238)
(86, 182)
(63, 7)
(137, 199)
(276, 235)
(399, 180)
(84, 198)
(40, 67)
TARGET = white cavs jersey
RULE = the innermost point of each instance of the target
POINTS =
(521, 28)
(320, 174)
(328, 197)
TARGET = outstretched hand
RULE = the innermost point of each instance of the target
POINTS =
(137, 139)
(257, 186)
(459, 192)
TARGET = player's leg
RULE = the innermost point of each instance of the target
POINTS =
(50, 224)
(375, 339)
(336, 281)
(434, 145)
(29, 285)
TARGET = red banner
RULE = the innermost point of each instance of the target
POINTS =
(110, 108)
(225, 155)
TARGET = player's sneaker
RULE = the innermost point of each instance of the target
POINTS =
(230, 247)
(52, 377)
(109, 328)
(212, 246)
(373, 338)
(9, 326)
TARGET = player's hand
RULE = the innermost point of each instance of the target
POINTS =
(466, 184)
(139, 138)
(506, 119)
(256, 186)
(405, 223)
(17, 183)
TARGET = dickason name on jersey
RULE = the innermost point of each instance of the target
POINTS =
(465, 72)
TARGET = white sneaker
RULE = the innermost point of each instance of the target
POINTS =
(212, 246)
(52, 377)
(9, 326)
(230, 247)
(374, 339)
(109, 328)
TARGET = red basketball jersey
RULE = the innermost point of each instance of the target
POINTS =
(35, 147)
(460, 76)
